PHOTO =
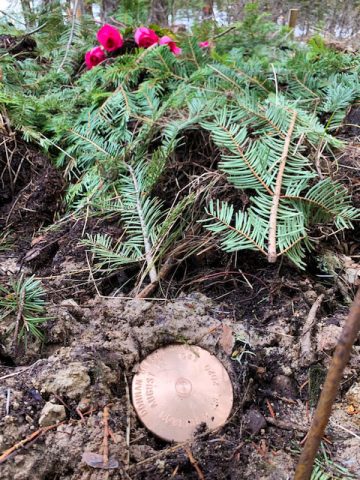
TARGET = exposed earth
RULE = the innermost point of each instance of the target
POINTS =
(251, 318)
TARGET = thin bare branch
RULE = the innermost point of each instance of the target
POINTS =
(272, 255)
(341, 357)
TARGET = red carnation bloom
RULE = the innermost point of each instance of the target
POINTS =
(110, 38)
(145, 37)
(171, 44)
(94, 57)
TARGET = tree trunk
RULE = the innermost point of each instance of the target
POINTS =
(108, 7)
(208, 10)
(88, 9)
(26, 10)
(159, 12)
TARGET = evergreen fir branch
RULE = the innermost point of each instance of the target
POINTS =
(193, 52)
(147, 215)
(109, 256)
(24, 298)
(327, 201)
(246, 169)
(247, 233)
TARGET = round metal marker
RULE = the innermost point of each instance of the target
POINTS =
(180, 387)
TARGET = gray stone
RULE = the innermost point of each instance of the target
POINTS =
(52, 413)
(254, 421)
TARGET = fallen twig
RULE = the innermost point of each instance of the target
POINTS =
(194, 463)
(331, 385)
(272, 255)
(128, 422)
(270, 408)
(285, 425)
(26, 440)
(307, 354)
(106, 436)
(71, 36)
(150, 261)
(35, 435)
(4, 377)
(163, 273)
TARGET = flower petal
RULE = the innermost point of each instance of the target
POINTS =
(110, 38)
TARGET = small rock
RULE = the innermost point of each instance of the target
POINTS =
(71, 381)
(327, 337)
(254, 421)
(310, 296)
(51, 414)
(352, 397)
(284, 386)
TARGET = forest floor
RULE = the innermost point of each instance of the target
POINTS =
(97, 336)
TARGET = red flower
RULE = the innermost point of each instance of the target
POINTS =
(204, 44)
(145, 37)
(94, 57)
(171, 44)
(110, 38)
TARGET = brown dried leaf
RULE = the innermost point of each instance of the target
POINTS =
(227, 339)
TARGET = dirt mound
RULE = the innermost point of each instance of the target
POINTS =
(30, 187)
(92, 351)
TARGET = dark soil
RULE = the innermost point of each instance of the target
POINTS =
(97, 336)
(31, 188)
(22, 46)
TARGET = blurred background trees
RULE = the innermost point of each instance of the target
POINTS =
(337, 18)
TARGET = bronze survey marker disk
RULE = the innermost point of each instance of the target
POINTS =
(179, 387)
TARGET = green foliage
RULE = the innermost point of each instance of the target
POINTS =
(113, 130)
(24, 301)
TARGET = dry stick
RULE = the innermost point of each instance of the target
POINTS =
(9, 375)
(35, 435)
(277, 193)
(172, 260)
(163, 273)
(26, 440)
(305, 341)
(128, 421)
(106, 436)
(286, 425)
(322, 414)
(194, 463)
